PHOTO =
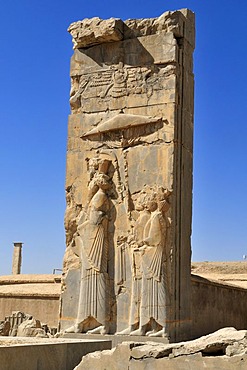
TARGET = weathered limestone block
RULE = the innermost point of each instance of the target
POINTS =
(114, 359)
(31, 328)
(95, 31)
(22, 325)
(14, 320)
(129, 177)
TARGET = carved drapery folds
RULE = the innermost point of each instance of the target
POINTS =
(150, 260)
(129, 166)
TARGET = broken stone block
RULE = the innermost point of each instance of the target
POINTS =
(31, 328)
(95, 31)
(223, 350)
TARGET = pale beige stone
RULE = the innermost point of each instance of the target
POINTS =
(31, 328)
(45, 353)
(224, 349)
(17, 259)
(36, 294)
(130, 132)
(95, 31)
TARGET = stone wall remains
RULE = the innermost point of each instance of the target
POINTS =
(216, 305)
(37, 295)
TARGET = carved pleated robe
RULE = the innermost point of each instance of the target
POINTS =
(94, 255)
(153, 293)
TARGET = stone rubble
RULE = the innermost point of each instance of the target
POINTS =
(20, 324)
(222, 350)
(31, 328)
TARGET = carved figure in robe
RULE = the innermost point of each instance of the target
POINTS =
(149, 269)
(135, 257)
(153, 263)
(78, 85)
(92, 240)
(71, 256)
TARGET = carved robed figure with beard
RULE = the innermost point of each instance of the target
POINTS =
(92, 241)
(149, 296)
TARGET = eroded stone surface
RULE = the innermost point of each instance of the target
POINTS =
(4, 328)
(129, 177)
(224, 349)
(23, 325)
(95, 31)
(31, 328)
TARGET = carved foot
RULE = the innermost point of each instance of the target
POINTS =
(99, 330)
(126, 331)
(140, 331)
(150, 332)
(160, 333)
(73, 329)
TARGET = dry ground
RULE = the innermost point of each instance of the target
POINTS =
(234, 273)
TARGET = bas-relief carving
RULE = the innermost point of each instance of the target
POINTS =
(70, 224)
(118, 81)
(125, 104)
(89, 236)
(92, 242)
(117, 135)
(124, 131)
(114, 137)
(149, 256)
(120, 133)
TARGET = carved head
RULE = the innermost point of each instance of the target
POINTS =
(104, 165)
(93, 166)
(153, 197)
(146, 200)
(162, 199)
(141, 201)
(152, 202)
(102, 181)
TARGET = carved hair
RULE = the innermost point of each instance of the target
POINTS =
(155, 193)
(100, 179)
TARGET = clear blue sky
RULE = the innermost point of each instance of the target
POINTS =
(34, 92)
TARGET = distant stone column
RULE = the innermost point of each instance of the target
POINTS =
(16, 262)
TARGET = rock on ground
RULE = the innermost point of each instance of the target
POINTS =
(223, 350)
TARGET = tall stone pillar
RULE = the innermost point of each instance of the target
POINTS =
(129, 177)
(17, 258)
